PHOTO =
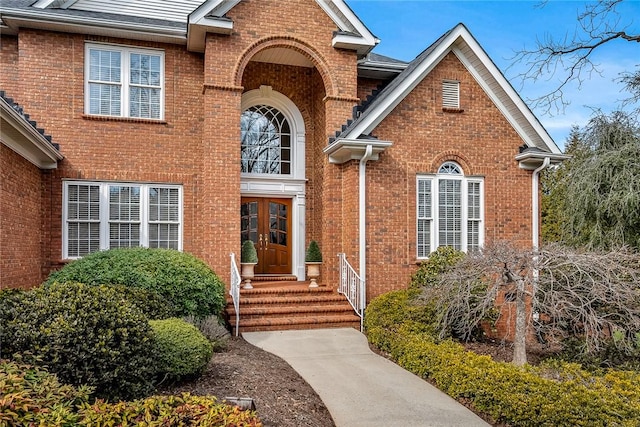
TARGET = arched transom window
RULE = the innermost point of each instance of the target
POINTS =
(450, 209)
(265, 141)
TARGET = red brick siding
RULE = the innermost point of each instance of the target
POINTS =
(8, 60)
(20, 220)
(480, 139)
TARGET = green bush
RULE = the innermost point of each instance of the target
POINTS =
(188, 283)
(554, 394)
(248, 253)
(85, 334)
(439, 262)
(397, 309)
(32, 396)
(157, 411)
(313, 253)
(181, 348)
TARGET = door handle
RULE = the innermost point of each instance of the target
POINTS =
(266, 241)
(260, 240)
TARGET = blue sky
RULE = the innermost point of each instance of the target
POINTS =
(406, 27)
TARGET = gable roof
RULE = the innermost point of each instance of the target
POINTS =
(23, 135)
(178, 21)
(460, 42)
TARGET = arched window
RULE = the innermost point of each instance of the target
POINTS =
(265, 141)
(449, 210)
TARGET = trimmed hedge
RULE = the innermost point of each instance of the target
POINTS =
(188, 283)
(181, 348)
(85, 334)
(554, 394)
(157, 411)
(32, 396)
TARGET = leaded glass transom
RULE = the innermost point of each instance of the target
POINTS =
(265, 141)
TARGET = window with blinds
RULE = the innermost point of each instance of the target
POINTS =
(100, 216)
(450, 94)
(124, 82)
(449, 210)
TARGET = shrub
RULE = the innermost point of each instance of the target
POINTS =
(181, 348)
(86, 335)
(248, 253)
(32, 396)
(313, 253)
(183, 410)
(439, 262)
(555, 394)
(392, 310)
(212, 328)
(188, 283)
(153, 305)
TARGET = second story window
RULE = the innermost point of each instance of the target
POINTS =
(124, 82)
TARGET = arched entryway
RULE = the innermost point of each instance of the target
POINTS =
(273, 182)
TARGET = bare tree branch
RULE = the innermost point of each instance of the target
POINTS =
(569, 59)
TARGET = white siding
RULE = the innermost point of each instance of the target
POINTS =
(175, 10)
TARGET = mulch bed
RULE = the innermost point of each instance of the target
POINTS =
(282, 398)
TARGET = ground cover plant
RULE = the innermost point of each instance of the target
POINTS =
(180, 278)
(34, 397)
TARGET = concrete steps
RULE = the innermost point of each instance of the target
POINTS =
(283, 305)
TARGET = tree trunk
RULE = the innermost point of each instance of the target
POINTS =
(520, 339)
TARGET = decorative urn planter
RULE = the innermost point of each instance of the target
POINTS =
(313, 259)
(248, 261)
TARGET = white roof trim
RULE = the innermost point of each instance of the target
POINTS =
(347, 21)
(199, 23)
(535, 136)
(43, 4)
(95, 26)
(343, 150)
(531, 160)
(25, 140)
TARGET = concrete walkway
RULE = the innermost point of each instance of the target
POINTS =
(360, 388)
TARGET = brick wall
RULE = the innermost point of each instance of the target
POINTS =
(20, 219)
(480, 139)
(197, 143)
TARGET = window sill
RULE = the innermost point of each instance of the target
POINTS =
(452, 110)
(123, 119)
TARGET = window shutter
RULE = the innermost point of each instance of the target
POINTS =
(450, 94)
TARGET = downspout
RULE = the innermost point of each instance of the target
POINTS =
(535, 209)
(363, 218)
(535, 213)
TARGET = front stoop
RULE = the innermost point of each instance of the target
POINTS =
(276, 306)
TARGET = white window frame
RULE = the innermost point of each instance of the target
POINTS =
(104, 212)
(433, 180)
(125, 84)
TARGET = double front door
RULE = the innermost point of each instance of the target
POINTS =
(267, 223)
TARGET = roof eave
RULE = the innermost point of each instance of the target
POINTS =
(362, 45)
(16, 19)
(533, 160)
(197, 31)
(342, 150)
(25, 140)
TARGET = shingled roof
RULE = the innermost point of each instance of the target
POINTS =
(22, 134)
